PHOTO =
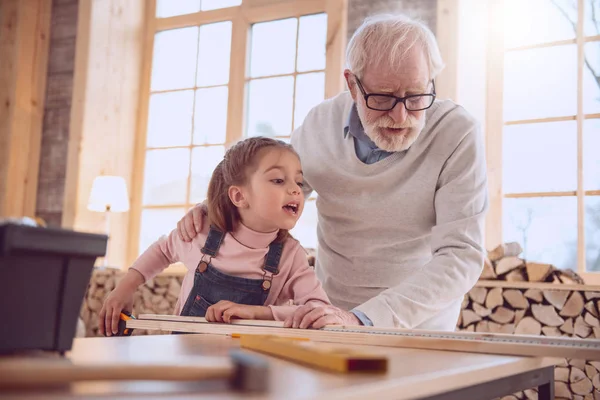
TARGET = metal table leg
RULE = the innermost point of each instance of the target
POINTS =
(546, 390)
(542, 378)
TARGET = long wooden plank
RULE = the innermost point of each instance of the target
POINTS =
(377, 330)
(488, 343)
(250, 322)
(536, 285)
(550, 194)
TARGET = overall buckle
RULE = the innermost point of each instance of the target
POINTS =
(203, 264)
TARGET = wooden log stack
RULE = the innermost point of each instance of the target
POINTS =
(540, 309)
(157, 296)
(503, 263)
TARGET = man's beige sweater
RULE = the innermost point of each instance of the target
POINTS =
(401, 239)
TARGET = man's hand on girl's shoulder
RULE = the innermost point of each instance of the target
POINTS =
(192, 222)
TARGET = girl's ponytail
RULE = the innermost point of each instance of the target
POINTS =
(221, 211)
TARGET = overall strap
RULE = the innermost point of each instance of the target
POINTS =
(271, 267)
(273, 257)
(213, 241)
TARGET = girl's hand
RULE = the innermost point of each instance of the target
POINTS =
(119, 299)
(225, 311)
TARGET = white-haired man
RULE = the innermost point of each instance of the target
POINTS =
(402, 187)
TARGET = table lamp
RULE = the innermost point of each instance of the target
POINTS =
(109, 194)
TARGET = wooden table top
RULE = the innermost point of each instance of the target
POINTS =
(412, 373)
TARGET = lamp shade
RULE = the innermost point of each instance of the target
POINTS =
(109, 193)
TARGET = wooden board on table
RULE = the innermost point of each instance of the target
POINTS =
(475, 342)
(178, 318)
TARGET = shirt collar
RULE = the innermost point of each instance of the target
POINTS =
(251, 238)
(355, 128)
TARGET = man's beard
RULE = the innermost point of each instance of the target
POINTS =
(392, 142)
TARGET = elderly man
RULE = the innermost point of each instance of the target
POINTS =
(402, 187)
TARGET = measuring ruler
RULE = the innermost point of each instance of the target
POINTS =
(484, 342)
(472, 342)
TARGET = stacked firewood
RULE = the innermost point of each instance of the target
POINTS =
(531, 312)
(503, 263)
(573, 380)
(156, 296)
(547, 312)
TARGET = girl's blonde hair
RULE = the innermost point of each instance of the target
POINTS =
(240, 161)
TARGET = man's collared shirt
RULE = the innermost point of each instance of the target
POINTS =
(366, 150)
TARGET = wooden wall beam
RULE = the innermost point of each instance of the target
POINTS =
(337, 22)
(24, 41)
(80, 74)
(447, 37)
(108, 68)
(494, 123)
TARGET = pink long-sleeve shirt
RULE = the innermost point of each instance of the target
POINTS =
(242, 254)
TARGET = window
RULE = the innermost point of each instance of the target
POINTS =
(545, 163)
(282, 91)
(218, 71)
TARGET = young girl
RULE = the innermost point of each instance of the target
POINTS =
(244, 264)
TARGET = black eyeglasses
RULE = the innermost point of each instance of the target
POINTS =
(386, 102)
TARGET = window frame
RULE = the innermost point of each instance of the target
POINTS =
(242, 18)
(495, 124)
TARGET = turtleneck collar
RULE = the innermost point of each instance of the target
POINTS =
(251, 238)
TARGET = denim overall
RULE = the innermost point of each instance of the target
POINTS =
(212, 285)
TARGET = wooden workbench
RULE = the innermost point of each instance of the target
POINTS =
(413, 374)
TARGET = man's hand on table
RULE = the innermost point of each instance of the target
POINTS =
(317, 316)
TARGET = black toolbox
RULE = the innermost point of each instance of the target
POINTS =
(44, 273)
